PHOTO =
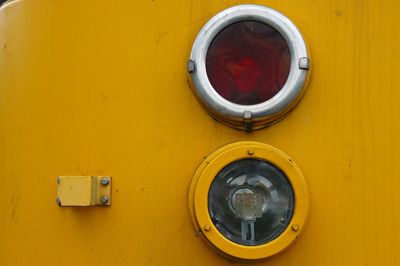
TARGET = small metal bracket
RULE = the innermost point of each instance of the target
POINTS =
(84, 190)
(248, 121)
(191, 66)
(247, 115)
(304, 63)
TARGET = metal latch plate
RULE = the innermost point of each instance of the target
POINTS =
(84, 190)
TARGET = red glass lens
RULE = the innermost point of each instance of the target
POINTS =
(248, 62)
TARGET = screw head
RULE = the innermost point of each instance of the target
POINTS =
(295, 227)
(207, 228)
(104, 199)
(105, 181)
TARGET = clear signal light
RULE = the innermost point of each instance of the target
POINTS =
(251, 202)
(248, 66)
(249, 205)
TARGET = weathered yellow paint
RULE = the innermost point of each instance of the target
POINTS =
(209, 169)
(100, 88)
(83, 191)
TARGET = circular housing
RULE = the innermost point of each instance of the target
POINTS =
(248, 66)
(249, 200)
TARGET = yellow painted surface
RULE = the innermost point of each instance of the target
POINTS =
(100, 88)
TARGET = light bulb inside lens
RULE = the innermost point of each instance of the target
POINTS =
(251, 202)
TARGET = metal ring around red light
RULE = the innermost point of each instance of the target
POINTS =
(255, 114)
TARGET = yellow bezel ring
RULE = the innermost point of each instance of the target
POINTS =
(208, 170)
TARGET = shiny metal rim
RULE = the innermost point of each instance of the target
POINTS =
(238, 115)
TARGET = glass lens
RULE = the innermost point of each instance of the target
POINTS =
(251, 202)
(248, 62)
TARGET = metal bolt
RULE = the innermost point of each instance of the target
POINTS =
(295, 227)
(104, 199)
(250, 152)
(207, 227)
(105, 181)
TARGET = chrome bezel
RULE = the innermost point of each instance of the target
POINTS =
(256, 116)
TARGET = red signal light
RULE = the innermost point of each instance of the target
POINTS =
(248, 66)
(248, 62)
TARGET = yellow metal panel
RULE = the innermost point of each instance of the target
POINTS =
(117, 72)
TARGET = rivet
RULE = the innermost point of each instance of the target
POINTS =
(250, 152)
(207, 228)
(105, 181)
(104, 199)
(295, 227)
